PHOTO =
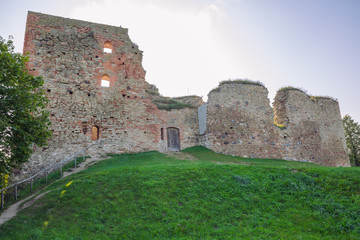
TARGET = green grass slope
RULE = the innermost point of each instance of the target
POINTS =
(153, 196)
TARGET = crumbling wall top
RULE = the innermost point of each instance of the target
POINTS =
(50, 20)
(237, 82)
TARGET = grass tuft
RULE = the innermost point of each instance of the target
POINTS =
(169, 104)
(288, 88)
(243, 81)
(313, 98)
(238, 81)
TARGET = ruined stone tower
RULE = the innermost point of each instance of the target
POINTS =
(240, 121)
(97, 90)
(96, 86)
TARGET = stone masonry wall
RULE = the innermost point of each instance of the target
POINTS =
(69, 55)
(240, 121)
(313, 128)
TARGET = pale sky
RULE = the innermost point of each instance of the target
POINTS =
(190, 46)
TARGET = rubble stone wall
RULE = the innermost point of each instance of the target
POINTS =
(70, 56)
(313, 129)
(240, 121)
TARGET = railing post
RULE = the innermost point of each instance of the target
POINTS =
(31, 185)
(46, 173)
(83, 153)
(75, 162)
(61, 173)
(2, 199)
(15, 193)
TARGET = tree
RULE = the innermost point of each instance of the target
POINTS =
(24, 121)
(352, 136)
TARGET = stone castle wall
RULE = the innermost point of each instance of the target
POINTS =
(240, 121)
(313, 128)
(70, 56)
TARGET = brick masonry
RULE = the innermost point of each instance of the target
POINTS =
(70, 56)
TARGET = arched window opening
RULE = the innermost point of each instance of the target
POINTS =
(105, 81)
(94, 133)
(108, 47)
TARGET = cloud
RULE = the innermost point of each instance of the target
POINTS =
(182, 46)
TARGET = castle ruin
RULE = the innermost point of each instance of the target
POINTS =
(96, 88)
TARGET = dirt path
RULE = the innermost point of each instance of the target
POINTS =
(11, 211)
(84, 165)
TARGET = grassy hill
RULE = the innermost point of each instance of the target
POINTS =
(155, 196)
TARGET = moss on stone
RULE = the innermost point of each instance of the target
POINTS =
(288, 88)
(323, 97)
(242, 81)
(313, 98)
(169, 104)
(237, 81)
(281, 126)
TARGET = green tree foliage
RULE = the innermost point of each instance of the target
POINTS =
(352, 136)
(23, 118)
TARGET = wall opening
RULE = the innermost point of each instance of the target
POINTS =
(105, 81)
(202, 112)
(173, 139)
(162, 134)
(107, 47)
(95, 133)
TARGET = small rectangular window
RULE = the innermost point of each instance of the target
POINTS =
(162, 134)
(105, 83)
(107, 50)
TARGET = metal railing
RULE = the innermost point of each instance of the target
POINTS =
(52, 168)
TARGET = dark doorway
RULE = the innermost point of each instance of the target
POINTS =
(173, 138)
(94, 133)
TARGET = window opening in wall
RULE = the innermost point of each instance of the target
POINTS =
(105, 81)
(108, 47)
(162, 134)
(94, 133)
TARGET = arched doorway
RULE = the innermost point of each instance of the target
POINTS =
(173, 139)
(94, 133)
